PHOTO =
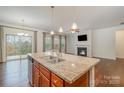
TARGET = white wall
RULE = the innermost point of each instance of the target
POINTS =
(73, 43)
(104, 43)
(120, 44)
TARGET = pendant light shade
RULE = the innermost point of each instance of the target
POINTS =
(52, 14)
(74, 28)
(60, 30)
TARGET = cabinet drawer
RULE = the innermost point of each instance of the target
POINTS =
(45, 72)
(52, 85)
(36, 77)
(56, 81)
(44, 82)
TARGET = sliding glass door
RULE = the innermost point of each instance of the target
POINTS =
(18, 47)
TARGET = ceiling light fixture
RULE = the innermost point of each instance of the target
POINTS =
(25, 34)
(20, 34)
(52, 12)
(60, 30)
(74, 27)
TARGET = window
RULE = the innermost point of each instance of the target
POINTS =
(18, 46)
(48, 42)
(54, 42)
(63, 44)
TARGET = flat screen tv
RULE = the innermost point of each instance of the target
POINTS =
(82, 37)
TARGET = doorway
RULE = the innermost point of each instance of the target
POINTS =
(17, 47)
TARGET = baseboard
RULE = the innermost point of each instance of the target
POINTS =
(70, 53)
(2, 62)
(119, 58)
(105, 58)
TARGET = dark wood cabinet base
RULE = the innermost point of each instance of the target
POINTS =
(42, 77)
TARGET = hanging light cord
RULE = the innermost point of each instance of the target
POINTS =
(52, 14)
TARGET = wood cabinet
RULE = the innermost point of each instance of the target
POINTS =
(56, 81)
(81, 82)
(42, 77)
(52, 85)
(44, 82)
(36, 77)
(45, 72)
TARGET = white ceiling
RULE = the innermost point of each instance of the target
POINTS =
(87, 17)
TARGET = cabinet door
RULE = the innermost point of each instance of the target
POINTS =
(83, 81)
(52, 85)
(44, 82)
(36, 77)
(56, 81)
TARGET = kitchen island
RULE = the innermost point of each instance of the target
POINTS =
(71, 71)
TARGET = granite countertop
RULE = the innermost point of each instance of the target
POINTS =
(70, 69)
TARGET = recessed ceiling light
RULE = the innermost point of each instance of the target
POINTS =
(25, 34)
(20, 34)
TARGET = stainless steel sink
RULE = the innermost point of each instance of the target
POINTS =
(52, 59)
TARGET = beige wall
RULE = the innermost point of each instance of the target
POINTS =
(120, 44)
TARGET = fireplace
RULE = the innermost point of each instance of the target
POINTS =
(82, 51)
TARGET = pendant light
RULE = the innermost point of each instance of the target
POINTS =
(74, 27)
(60, 30)
(52, 32)
(22, 34)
